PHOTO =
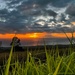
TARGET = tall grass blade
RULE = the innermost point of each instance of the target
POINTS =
(69, 64)
(8, 63)
(57, 69)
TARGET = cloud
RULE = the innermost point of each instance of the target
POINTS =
(36, 16)
(50, 13)
(58, 3)
(71, 10)
(61, 3)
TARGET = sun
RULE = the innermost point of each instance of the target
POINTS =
(33, 35)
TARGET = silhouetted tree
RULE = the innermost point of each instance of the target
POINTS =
(16, 43)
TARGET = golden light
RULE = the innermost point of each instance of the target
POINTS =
(33, 35)
(36, 35)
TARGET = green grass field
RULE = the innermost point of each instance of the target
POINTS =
(54, 64)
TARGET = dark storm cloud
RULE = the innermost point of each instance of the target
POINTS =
(14, 21)
(61, 3)
(56, 3)
(22, 15)
(50, 13)
(28, 3)
(44, 12)
(71, 10)
(4, 13)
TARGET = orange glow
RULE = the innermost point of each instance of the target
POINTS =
(23, 36)
(33, 35)
(73, 23)
(62, 35)
(36, 35)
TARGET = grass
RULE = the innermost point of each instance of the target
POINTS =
(54, 64)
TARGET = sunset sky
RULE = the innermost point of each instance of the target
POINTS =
(30, 19)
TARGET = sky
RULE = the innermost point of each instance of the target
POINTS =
(36, 18)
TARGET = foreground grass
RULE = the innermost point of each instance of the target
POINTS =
(54, 64)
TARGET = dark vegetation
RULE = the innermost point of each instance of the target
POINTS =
(37, 51)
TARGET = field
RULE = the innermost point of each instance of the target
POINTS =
(41, 60)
